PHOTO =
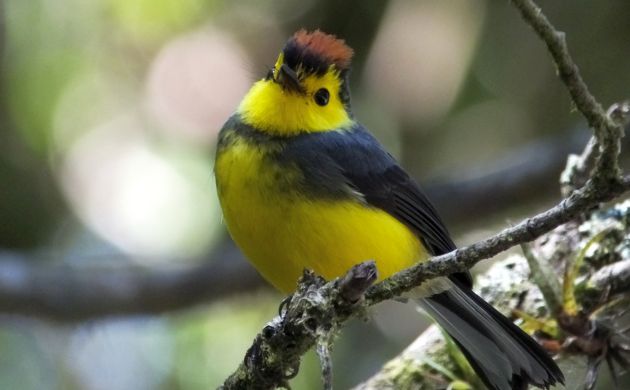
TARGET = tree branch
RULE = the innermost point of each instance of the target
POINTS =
(66, 294)
(462, 259)
(605, 183)
(315, 311)
(429, 362)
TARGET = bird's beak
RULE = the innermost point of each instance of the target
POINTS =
(288, 79)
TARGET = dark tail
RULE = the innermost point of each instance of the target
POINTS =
(504, 357)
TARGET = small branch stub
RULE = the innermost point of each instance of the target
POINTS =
(620, 113)
(311, 316)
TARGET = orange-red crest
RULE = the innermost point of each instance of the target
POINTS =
(325, 45)
(316, 51)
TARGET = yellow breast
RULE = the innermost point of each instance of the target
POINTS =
(283, 232)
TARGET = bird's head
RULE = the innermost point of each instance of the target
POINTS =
(306, 90)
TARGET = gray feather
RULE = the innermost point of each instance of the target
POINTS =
(503, 355)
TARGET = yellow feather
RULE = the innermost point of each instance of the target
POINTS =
(284, 233)
(270, 108)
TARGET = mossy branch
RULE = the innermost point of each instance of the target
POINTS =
(509, 285)
(312, 315)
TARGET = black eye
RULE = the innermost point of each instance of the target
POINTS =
(321, 96)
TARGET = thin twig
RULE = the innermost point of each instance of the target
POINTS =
(579, 167)
(543, 276)
(608, 132)
(323, 347)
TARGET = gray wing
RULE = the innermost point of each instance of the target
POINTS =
(335, 162)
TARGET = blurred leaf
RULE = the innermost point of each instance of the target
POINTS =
(440, 368)
(22, 362)
(211, 344)
(45, 47)
(459, 385)
(570, 304)
(153, 20)
(532, 324)
(34, 87)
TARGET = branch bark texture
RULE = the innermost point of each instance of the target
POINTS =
(313, 314)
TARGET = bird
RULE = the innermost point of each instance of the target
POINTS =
(303, 185)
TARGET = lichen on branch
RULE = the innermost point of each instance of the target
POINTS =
(508, 285)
